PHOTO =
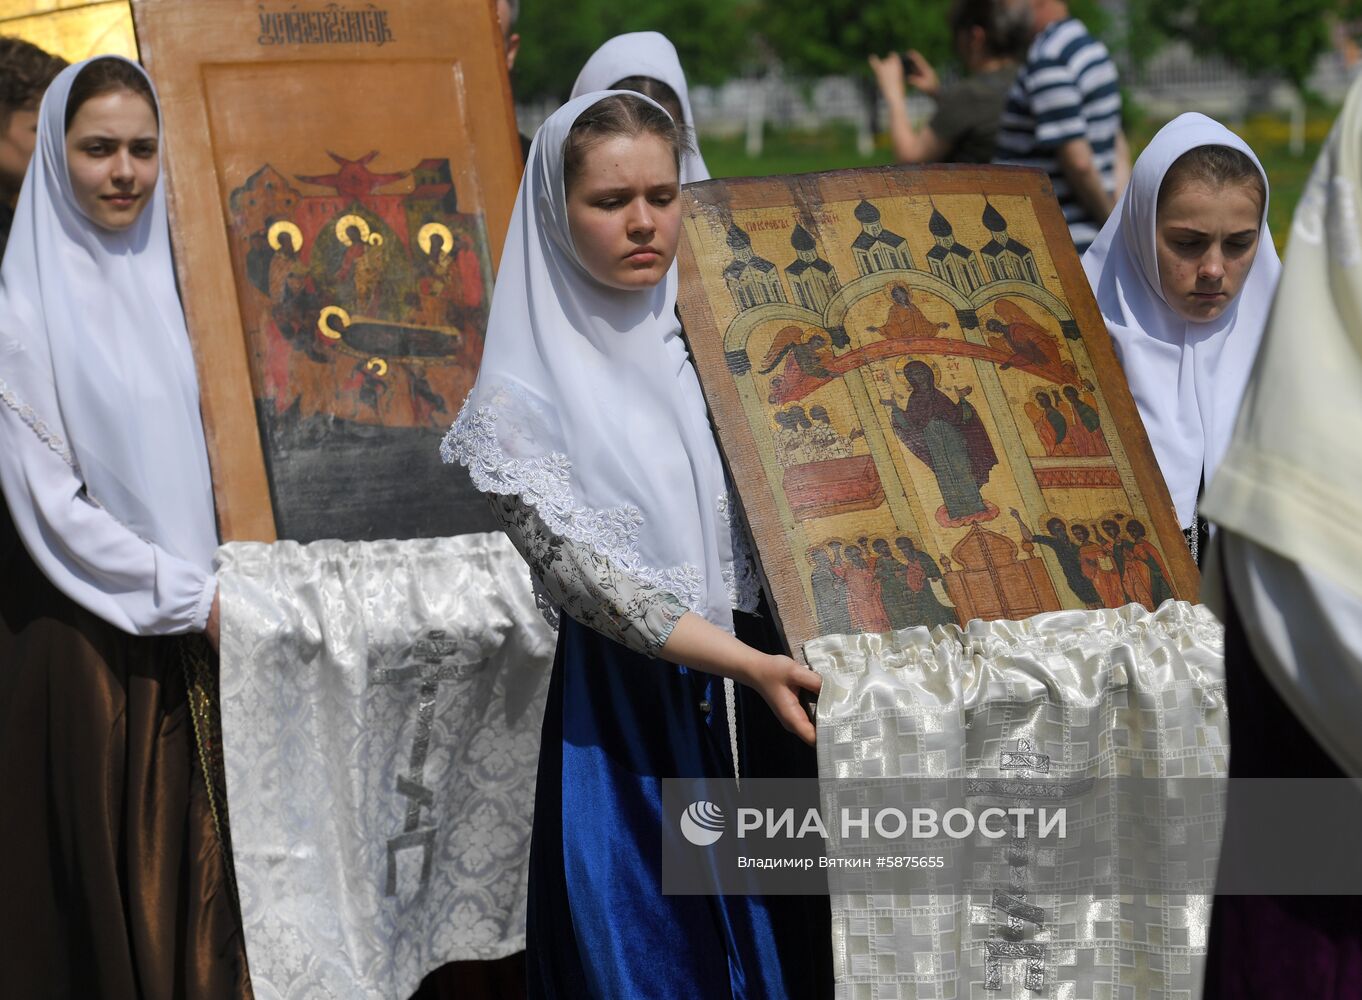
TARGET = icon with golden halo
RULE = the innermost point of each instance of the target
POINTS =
(285, 226)
(324, 321)
(346, 222)
(431, 229)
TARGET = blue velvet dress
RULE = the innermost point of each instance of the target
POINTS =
(616, 724)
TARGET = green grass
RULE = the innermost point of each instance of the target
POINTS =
(834, 148)
(791, 152)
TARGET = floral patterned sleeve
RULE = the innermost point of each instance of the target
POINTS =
(586, 585)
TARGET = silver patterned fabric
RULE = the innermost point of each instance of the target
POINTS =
(1076, 695)
(381, 711)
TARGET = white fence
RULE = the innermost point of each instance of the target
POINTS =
(1175, 80)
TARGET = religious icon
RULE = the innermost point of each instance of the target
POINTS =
(344, 177)
(934, 364)
(365, 308)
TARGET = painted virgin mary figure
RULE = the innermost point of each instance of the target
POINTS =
(948, 436)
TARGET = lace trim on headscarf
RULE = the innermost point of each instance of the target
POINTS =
(544, 484)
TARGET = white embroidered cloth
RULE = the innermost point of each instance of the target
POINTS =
(381, 709)
(1100, 693)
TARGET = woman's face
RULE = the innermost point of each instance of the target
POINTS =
(111, 150)
(624, 211)
(1206, 240)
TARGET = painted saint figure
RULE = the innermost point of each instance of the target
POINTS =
(892, 576)
(1099, 566)
(824, 441)
(369, 383)
(360, 273)
(292, 291)
(425, 401)
(921, 570)
(1067, 553)
(829, 595)
(1086, 424)
(1029, 342)
(864, 601)
(1146, 578)
(949, 437)
(435, 287)
(789, 439)
(469, 270)
(905, 320)
(1051, 425)
(805, 367)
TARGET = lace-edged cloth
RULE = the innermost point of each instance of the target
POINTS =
(543, 483)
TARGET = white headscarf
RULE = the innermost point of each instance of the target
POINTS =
(644, 53)
(1187, 378)
(94, 349)
(587, 407)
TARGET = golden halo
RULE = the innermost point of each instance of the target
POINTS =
(325, 328)
(284, 226)
(378, 366)
(343, 225)
(429, 230)
(375, 240)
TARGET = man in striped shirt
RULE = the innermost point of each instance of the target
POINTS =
(1063, 115)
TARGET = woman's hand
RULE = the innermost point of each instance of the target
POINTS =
(702, 645)
(213, 625)
(780, 680)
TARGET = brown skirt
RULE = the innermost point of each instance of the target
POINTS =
(115, 882)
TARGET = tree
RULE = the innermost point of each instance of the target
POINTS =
(1264, 38)
(712, 37)
(834, 37)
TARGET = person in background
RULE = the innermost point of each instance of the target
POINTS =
(1063, 115)
(1184, 273)
(989, 37)
(25, 72)
(508, 12)
(646, 63)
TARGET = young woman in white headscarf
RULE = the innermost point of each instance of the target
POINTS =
(646, 63)
(588, 430)
(1288, 553)
(1184, 272)
(116, 883)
